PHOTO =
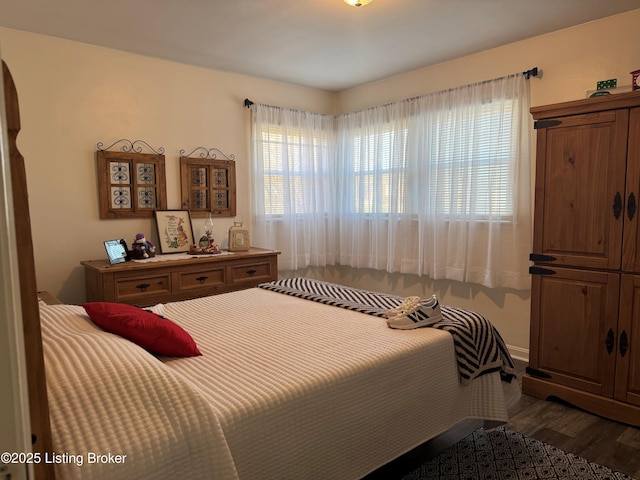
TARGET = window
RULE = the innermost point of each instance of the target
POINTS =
(294, 166)
(435, 185)
(467, 163)
(475, 160)
(379, 171)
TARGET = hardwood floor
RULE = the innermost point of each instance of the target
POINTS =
(602, 441)
(599, 440)
(596, 439)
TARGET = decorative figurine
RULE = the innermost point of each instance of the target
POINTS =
(208, 230)
(206, 244)
(141, 248)
(635, 80)
(238, 236)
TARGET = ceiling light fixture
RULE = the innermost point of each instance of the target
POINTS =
(357, 3)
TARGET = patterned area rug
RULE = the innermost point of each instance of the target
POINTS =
(504, 454)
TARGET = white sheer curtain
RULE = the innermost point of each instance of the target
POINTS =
(292, 183)
(439, 185)
(436, 185)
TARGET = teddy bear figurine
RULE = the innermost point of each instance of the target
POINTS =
(141, 248)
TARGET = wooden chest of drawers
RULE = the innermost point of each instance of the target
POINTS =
(148, 283)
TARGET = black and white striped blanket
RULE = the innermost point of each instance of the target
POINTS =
(478, 345)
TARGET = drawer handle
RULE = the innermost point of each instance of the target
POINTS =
(251, 272)
(201, 279)
(143, 287)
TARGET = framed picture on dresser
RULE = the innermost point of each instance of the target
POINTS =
(175, 233)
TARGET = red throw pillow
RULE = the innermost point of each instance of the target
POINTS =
(147, 329)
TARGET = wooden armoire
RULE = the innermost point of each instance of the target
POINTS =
(585, 277)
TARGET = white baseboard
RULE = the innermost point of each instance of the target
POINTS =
(519, 353)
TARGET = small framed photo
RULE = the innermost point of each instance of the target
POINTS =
(175, 233)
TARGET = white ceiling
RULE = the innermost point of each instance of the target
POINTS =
(324, 44)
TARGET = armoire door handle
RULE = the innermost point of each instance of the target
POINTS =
(624, 343)
(610, 341)
(617, 205)
(631, 206)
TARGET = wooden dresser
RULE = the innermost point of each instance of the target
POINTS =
(148, 283)
(585, 291)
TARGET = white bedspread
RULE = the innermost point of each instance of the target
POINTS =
(285, 389)
(108, 396)
(304, 390)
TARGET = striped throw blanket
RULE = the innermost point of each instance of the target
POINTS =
(478, 345)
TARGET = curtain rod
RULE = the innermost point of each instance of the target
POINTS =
(532, 72)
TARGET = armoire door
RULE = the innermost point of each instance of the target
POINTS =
(580, 188)
(628, 354)
(574, 318)
(631, 235)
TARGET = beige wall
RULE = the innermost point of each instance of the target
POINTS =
(74, 95)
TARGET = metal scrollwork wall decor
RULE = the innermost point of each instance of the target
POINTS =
(208, 154)
(129, 146)
(208, 182)
(131, 184)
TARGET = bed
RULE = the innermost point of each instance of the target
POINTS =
(283, 386)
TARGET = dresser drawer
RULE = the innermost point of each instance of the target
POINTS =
(128, 288)
(200, 278)
(254, 272)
